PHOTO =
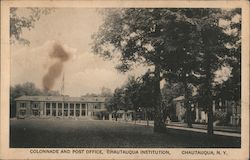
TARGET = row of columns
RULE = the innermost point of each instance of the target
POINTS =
(201, 114)
(68, 109)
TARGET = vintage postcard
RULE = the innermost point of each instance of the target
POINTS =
(124, 79)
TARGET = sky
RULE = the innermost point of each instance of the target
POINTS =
(84, 72)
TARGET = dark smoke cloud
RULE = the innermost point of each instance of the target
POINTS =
(59, 52)
(55, 70)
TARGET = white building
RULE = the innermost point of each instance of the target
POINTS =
(231, 108)
(60, 106)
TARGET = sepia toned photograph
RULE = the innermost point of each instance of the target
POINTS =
(147, 78)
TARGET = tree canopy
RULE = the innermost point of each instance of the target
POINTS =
(18, 23)
(186, 45)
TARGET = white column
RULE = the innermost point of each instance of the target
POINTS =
(80, 109)
(231, 120)
(213, 105)
(74, 109)
(44, 109)
(123, 116)
(62, 109)
(68, 109)
(110, 116)
(56, 108)
(206, 117)
(86, 109)
(197, 114)
(50, 108)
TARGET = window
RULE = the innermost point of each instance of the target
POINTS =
(71, 106)
(83, 113)
(53, 109)
(22, 112)
(47, 105)
(97, 106)
(77, 113)
(77, 110)
(65, 105)
(22, 105)
(47, 109)
(60, 109)
(47, 112)
(77, 106)
(54, 105)
(59, 105)
(83, 105)
(35, 105)
(35, 112)
(59, 113)
(71, 113)
(53, 112)
(65, 113)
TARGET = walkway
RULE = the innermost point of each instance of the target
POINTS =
(218, 130)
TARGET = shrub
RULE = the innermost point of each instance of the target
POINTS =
(221, 116)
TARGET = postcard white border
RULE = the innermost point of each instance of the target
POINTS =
(176, 153)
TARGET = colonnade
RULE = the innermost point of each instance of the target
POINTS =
(66, 109)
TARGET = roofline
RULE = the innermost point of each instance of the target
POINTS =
(62, 99)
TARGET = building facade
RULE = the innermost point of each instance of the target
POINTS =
(60, 106)
(123, 115)
(228, 110)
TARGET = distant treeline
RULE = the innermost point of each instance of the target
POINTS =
(28, 89)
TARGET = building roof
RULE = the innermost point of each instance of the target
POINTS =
(61, 98)
(130, 111)
(180, 98)
(123, 111)
(120, 111)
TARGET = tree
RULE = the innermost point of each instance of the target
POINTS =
(231, 89)
(188, 45)
(125, 35)
(19, 23)
(115, 102)
(110, 104)
(170, 91)
(138, 96)
(203, 52)
(181, 61)
(145, 93)
(213, 51)
(106, 92)
(131, 93)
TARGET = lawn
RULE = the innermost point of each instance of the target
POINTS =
(67, 133)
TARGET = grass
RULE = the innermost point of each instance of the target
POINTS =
(63, 133)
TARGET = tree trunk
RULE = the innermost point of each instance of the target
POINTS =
(159, 125)
(210, 127)
(187, 103)
(146, 115)
(208, 88)
(189, 116)
(135, 117)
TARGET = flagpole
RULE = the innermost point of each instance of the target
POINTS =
(62, 87)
